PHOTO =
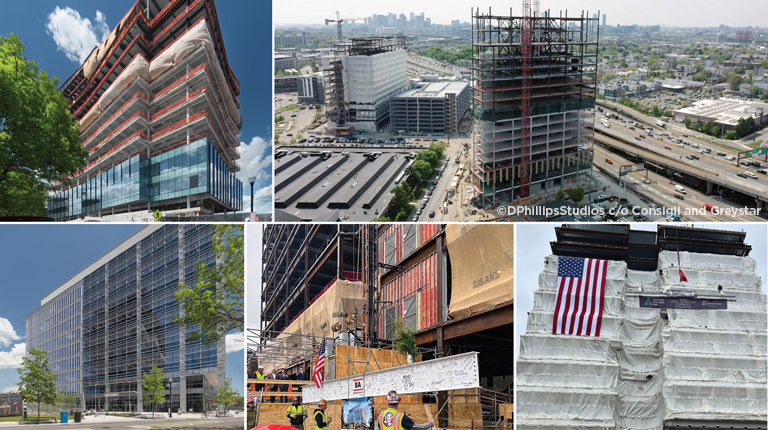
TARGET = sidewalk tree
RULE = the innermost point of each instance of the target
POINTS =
(215, 302)
(39, 140)
(226, 395)
(37, 382)
(154, 387)
(576, 195)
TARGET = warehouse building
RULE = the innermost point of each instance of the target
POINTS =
(158, 111)
(437, 108)
(723, 112)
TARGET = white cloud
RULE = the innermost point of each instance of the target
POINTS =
(256, 161)
(235, 342)
(11, 389)
(12, 359)
(76, 36)
(7, 333)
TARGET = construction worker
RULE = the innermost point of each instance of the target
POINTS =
(259, 373)
(321, 421)
(392, 419)
(297, 413)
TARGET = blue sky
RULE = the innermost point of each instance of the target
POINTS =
(59, 34)
(37, 259)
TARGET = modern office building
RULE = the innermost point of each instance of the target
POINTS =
(158, 111)
(107, 325)
(436, 108)
(362, 77)
(533, 101)
(291, 39)
(682, 338)
(310, 89)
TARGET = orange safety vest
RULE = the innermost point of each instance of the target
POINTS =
(391, 419)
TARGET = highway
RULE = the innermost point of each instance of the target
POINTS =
(708, 167)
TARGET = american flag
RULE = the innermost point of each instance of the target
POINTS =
(317, 375)
(580, 295)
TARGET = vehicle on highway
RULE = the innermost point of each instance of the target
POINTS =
(609, 161)
(667, 147)
(710, 208)
(690, 157)
(642, 136)
(646, 181)
(652, 205)
(680, 189)
(763, 171)
(742, 175)
(750, 175)
(678, 196)
(637, 138)
(431, 214)
(640, 217)
(721, 153)
(631, 128)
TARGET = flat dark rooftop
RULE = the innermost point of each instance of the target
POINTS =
(309, 188)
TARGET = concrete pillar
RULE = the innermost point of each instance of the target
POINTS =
(182, 331)
(709, 188)
(189, 203)
(148, 206)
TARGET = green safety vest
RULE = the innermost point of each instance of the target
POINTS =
(391, 419)
(325, 420)
(259, 375)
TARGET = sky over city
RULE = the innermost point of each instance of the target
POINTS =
(687, 13)
(36, 260)
(59, 35)
(532, 245)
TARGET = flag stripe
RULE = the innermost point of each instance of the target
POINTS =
(580, 296)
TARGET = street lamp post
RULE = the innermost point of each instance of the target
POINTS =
(252, 179)
(170, 397)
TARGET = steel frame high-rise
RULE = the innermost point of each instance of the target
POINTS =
(159, 116)
(106, 326)
(560, 89)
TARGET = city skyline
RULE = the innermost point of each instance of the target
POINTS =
(678, 14)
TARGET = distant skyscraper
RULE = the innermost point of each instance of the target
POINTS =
(604, 20)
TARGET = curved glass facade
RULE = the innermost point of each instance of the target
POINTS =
(193, 169)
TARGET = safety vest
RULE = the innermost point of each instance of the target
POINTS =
(296, 410)
(391, 419)
(322, 414)
(259, 375)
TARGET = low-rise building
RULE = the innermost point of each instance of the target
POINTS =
(725, 112)
(434, 108)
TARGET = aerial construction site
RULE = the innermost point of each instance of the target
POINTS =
(425, 310)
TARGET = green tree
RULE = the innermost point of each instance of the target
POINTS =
(226, 395)
(39, 140)
(318, 106)
(687, 123)
(215, 302)
(576, 194)
(405, 341)
(37, 382)
(422, 168)
(559, 195)
(154, 387)
(382, 219)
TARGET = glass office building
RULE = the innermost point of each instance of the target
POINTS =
(108, 325)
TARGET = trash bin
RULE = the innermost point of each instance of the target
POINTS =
(78, 416)
(64, 417)
(25, 415)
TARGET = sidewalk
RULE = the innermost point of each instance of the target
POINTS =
(91, 420)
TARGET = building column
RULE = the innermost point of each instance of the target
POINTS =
(709, 188)
(139, 388)
(182, 331)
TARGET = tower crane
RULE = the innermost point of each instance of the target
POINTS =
(340, 21)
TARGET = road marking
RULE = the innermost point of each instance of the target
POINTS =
(170, 424)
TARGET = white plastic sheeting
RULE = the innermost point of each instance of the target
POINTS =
(195, 38)
(650, 365)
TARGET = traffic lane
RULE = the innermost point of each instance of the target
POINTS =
(717, 166)
(438, 196)
(665, 190)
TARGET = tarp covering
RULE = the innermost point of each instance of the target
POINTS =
(482, 266)
(649, 365)
(333, 306)
(195, 38)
